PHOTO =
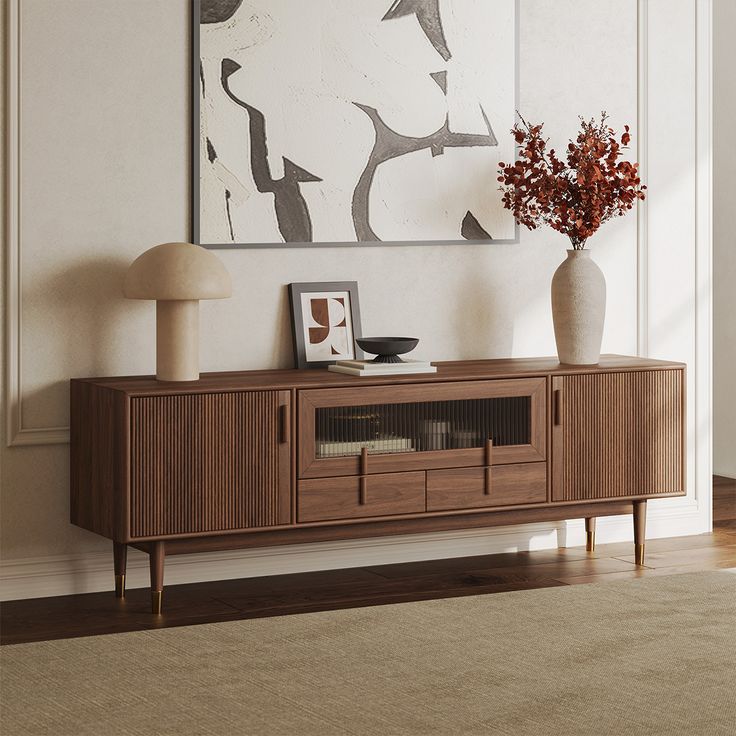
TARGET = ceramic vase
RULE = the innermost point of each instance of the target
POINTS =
(578, 308)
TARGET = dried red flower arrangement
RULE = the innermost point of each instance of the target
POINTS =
(574, 196)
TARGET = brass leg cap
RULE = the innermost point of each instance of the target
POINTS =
(156, 601)
(589, 541)
(639, 554)
(120, 586)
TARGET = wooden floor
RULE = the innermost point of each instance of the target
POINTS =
(100, 613)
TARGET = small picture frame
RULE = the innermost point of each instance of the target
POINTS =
(325, 322)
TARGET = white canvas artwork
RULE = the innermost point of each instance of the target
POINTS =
(353, 121)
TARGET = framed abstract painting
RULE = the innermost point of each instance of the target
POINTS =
(351, 122)
(325, 322)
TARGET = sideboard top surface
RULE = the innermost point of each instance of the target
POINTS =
(285, 379)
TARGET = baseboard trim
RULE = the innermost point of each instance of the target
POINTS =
(42, 577)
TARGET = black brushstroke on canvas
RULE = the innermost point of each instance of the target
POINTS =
(211, 153)
(292, 213)
(389, 144)
(217, 11)
(201, 77)
(229, 214)
(441, 79)
(471, 229)
(428, 15)
(212, 157)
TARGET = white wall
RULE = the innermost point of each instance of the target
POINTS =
(102, 153)
(724, 239)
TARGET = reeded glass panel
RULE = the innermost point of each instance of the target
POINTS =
(422, 426)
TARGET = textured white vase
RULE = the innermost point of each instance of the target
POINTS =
(578, 308)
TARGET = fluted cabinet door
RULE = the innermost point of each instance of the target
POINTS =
(618, 434)
(204, 463)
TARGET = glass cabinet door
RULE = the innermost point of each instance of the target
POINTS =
(380, 429)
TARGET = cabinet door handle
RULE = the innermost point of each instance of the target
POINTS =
(557, 406)
(488, 470)
(284, 423)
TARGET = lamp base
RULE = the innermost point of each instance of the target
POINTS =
(177, 340)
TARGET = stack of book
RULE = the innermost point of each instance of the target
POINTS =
(369, 368)
(380, 445)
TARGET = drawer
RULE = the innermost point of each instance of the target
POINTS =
(322, 499)
(465, 488)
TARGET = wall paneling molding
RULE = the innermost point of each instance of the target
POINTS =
(16, 433)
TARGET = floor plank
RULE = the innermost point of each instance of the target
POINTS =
(644, 572)
(381, 593)
(526, 570)
(705, 556)
(724, 499)
(723, 537)
(479, 562)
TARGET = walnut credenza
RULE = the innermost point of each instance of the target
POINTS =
(262, 458)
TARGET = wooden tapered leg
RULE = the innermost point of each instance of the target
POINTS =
(156, 557)
(120, 557)
(590, 533)
(640, 522)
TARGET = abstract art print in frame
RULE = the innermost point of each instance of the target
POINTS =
(325, 322)
(351, 122)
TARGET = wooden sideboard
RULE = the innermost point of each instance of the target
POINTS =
(259, 458)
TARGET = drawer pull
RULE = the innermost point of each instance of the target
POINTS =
(363, 484)
(489, 463)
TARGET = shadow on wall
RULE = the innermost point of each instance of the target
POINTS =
(87, 297)
(491, 317)
(283, 346)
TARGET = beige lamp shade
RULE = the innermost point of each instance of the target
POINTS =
(177, 276)
(177, 271)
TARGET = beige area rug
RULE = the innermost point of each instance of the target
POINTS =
(652, 656)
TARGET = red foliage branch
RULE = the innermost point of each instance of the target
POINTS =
(574, 196)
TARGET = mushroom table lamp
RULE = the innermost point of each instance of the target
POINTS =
(177, 276)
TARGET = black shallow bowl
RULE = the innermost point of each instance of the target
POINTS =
(387, 349)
